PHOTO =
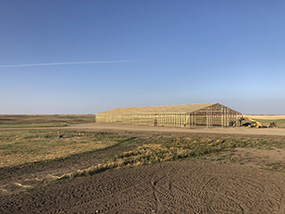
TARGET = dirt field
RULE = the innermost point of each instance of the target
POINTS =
(230, 130)
(173, 187)
(132, 128)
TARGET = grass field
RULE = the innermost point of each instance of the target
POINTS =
(25, 146)
(279, 120)
(178, 148)
(27, 121)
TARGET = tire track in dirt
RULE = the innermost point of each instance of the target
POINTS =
(174, 187)
(230, 196)
(125, 188)
(130, 191)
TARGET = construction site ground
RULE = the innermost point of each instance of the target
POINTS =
(247, 180)
(218, 130)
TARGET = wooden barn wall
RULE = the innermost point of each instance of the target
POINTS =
(217, 115)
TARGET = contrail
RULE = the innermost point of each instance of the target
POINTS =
(65, 63)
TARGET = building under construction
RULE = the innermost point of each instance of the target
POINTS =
(184, 116)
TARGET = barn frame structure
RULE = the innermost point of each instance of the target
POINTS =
(183, 116)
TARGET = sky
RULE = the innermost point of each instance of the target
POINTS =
(85, 57)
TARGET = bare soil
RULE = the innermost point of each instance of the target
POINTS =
(193, 186)
(229, 130)
(135, 128)
(273, 159)
(15, 179)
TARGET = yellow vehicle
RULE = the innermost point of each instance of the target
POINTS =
(255, 123)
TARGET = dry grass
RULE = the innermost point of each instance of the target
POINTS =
(266, 117)
(26, 146)
(169, 149)
(27, 121)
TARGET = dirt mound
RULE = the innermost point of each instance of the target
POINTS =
(194, 186)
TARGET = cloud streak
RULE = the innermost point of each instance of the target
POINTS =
(65, 63)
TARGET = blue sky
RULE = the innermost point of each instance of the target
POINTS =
(141, 53)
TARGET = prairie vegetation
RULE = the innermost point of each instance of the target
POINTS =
(25, 146)
(177, 148)
(19, 147)
(32, 121)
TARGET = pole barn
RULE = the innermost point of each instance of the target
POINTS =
(184, 116)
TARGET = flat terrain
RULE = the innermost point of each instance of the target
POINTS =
(172, 187)
(230, 130)
(279, 120)
(267, 117)
(135, 128)
(25, 121)
(110, 168)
